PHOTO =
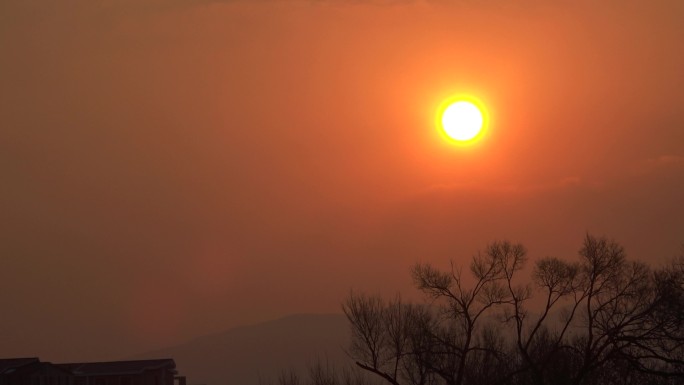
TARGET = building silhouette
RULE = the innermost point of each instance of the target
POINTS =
(32, 371)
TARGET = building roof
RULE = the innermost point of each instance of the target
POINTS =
(38, 368)
(118, 367)
(10, 364)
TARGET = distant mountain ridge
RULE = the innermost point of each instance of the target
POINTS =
(248, 355)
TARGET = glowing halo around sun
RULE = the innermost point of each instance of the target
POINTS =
(462, 120)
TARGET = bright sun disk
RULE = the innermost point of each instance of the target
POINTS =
(462, 120)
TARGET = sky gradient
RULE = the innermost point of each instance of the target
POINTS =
(175, 168)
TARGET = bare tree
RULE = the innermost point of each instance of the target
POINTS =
(600, 316)
(288, 377)
(652, 339)
(464, 307)
(609, 307)
(384, 335)
(322, 372)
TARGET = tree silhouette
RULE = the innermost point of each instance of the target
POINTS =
(322, 372)
(602, 320)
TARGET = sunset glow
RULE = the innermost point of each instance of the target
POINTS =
(211, 181)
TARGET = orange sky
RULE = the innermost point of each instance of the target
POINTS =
(174, 168)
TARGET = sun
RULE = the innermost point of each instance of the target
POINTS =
(462, 120)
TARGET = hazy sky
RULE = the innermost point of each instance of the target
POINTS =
(175, 168)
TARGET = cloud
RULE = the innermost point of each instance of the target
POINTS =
(504, 188)
(666, 161)
(659, 164)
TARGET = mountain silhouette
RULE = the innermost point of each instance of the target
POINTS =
(254, 354)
